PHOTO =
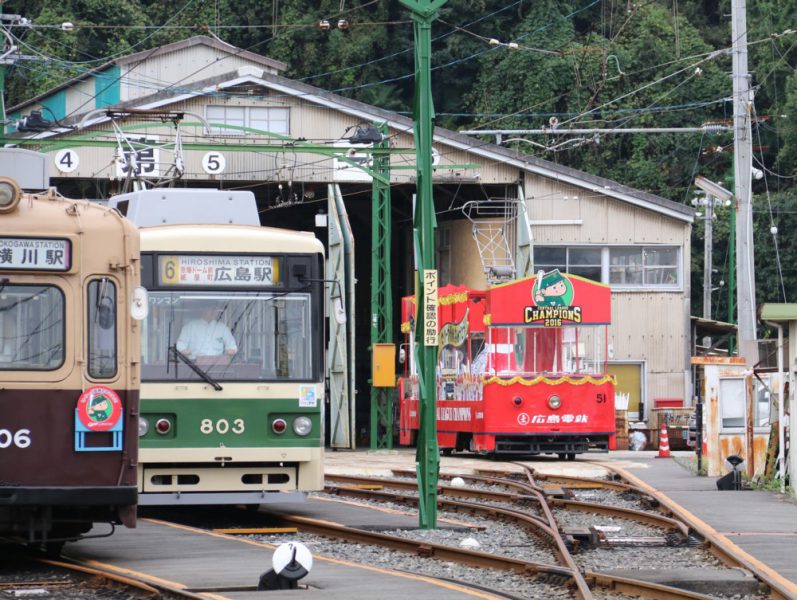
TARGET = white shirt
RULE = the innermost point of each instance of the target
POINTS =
(206, 338)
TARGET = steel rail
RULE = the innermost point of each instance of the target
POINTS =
(532, 493)
(413, 485)
(645, 589)
(590, 482)
(423, 548)
(581, 583)
(538, 523)
(510, 483)
(153, 587)
(623, 513)
(640, 588)
(725, 554)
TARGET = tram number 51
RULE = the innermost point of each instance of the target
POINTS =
(222, 426)
(600, 398)
(20, 439)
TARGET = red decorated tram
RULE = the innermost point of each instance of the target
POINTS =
(521, 368)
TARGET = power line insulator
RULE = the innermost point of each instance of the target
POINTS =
(324, 25)
(343, 24)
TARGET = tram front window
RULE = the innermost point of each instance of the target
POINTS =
(32, 326)
(561, 350)
(239, 336)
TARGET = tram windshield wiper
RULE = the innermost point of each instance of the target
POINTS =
(195, 368)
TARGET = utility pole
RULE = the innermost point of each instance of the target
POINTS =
(742, 169)
(427, 457)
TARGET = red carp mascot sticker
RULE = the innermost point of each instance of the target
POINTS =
(99, 408)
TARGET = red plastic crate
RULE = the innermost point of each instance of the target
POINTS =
(668, 402)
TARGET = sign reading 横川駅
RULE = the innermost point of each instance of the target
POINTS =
(35, 254)
(430, 307)
(215, 270)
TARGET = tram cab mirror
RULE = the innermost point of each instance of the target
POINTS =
(402, 355)
(139, 305)
(340, 311)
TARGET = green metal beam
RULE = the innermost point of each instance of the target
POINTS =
(424, 12)
(381, 294)
(285, 145)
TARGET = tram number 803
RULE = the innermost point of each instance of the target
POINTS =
(20, 439)
(222, 426)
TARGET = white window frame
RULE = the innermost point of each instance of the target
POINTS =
(758, 389)
(646, 285)
(250, 115)
(605, 265)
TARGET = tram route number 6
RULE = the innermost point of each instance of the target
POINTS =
(222, 426)
(20, 439)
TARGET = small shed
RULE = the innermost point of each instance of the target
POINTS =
(780, 316)
(728, 421)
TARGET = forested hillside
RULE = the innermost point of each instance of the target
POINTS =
(586, 63)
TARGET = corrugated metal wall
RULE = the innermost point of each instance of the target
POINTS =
(646, 325)
(307, 121)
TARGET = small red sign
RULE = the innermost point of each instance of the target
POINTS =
(99, 408)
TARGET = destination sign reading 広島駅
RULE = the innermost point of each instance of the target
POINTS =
(214, 270)
(35, 254)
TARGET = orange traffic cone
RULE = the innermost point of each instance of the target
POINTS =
(664, 443)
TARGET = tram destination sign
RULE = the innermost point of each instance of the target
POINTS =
(35, 254)
(214, 270)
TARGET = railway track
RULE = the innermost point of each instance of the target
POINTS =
(530, 504)
(25, 574)
(528, 536)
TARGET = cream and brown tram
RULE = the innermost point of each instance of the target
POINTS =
(69, 367)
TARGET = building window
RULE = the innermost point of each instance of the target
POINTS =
(266, 118)
(623, 267)
(584, 262)
(650, 266)
(732, 404)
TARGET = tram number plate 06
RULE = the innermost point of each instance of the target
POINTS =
(222, 426)
(20, 438)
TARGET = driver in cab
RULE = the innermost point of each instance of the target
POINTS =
(206, 336)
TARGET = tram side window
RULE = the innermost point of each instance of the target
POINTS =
(102, 328)
(32, 328)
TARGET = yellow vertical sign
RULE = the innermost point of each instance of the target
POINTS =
(170, 270)
(430, 307)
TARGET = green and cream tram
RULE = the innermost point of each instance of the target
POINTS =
(232, 361)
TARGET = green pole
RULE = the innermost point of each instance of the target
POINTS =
(424, 12)
(381, 291)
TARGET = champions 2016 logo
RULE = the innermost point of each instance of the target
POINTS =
(552, 295)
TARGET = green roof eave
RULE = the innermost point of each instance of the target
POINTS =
(779, 312)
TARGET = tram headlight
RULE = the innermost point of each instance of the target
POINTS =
(143, 427)
(302, 426)
(554, 402)
(10, 194)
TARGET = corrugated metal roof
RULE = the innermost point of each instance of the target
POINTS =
(289, 87)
